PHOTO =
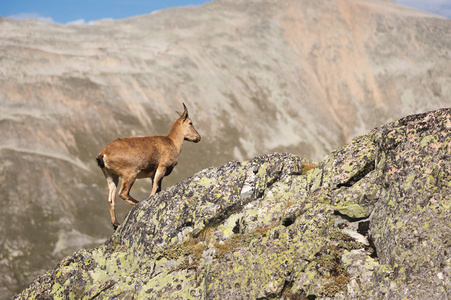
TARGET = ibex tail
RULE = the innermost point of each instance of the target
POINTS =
(100, 161)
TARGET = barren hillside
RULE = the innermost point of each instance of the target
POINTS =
(257, 76)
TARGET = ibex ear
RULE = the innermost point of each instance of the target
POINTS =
(185, 112)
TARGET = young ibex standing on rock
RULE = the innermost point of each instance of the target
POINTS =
(143, 157)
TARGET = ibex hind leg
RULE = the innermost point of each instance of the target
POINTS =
(112, 181)
(124, 192)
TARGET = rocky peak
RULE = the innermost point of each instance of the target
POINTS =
(369, 221)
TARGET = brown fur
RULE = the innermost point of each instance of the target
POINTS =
(143, 157)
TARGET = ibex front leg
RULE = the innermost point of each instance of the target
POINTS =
(157, 179)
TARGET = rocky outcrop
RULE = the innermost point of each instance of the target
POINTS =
(370, 221)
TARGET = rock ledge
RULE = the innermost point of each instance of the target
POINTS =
(371, 221)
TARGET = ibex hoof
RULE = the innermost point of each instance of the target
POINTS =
(115, 225)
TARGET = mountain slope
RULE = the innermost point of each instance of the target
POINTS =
(257, 77)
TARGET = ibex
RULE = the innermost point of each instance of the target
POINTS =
(143, 157)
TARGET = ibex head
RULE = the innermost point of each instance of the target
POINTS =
(187, 127)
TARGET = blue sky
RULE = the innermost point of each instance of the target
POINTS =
(84, 11)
